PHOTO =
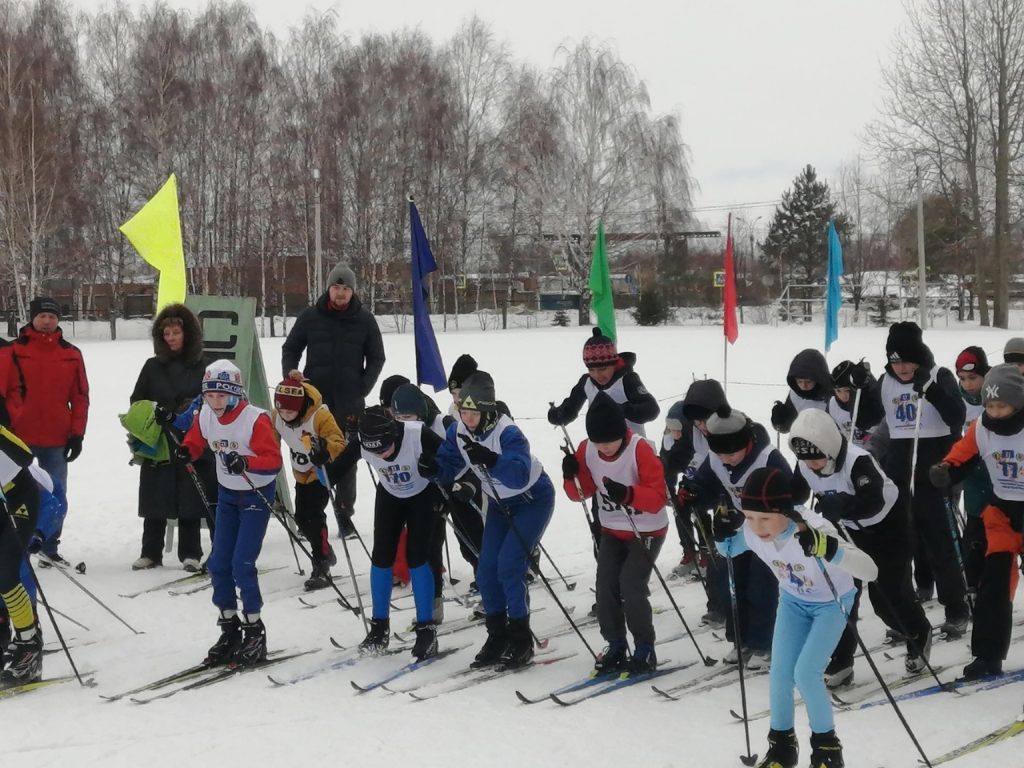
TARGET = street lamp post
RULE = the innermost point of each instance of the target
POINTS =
(318, 279)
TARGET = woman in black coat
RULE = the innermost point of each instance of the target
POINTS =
(172, 379)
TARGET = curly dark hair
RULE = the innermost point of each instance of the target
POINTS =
(180, 315)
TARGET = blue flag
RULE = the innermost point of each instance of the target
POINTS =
(429, 368)
(833, 295)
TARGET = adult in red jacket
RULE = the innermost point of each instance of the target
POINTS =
(48, 395)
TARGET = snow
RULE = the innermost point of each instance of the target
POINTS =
(322, 719)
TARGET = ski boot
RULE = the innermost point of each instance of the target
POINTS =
(230, 639)
(253, 649)
(783, 750)
(519, 651)
(191, 565)
(916, 663)
(644, 659)
(982, 667)
(614, 658)
(685, 568)
(838, 673)
(496, 643)
(426, 641)
(826, 751)
(955, 627)
(142, 564)
(758, 660)
(377, 638)
(320, 578)
(23, 662)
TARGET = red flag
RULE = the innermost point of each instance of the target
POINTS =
(732, 330)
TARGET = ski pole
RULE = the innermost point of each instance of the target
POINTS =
(65, 616)
(853, 421)
(190, 470)
(529, 556)
(707, 660)
(749, 759)
(295, 540)
(913, 454)
(681, 521)
(39, 588)
(447, 553)
(348, 557)
(569, 450)
(954, 533)
(81, 586)
(871, 662)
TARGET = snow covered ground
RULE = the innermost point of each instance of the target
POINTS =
(322, 720)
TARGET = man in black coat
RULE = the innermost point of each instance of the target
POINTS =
(344, 356)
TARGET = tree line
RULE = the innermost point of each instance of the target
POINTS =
(511, 166)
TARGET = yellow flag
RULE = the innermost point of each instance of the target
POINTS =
(155, 231)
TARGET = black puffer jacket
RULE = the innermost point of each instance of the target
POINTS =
(173, 381)
(344, 354)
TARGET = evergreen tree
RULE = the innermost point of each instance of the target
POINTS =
(561, 319)
(651, 309)
(797, 240)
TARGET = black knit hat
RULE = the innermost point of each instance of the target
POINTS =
(464, 367)
(905, 344)
(767, 490)
(42, 304)
(477, 393)
(388, 387)
(599, 351)
(605, 420)
(377, 430)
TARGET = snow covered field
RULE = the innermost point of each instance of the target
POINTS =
(322, 721)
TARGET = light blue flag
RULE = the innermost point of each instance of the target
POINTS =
(833, 296)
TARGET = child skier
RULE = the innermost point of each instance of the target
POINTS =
(619, 468)
(313, 439)
(847, 395)
(810, 386)
(405, 498)
(1013, 352)
(22, 660)
(612, 373)
(995, 440)
(738, 446)
(248, 460)
(913, 381)
(522, 499)
(809, 622)
(856, 497)
(971, 368)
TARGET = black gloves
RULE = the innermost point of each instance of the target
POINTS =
(479, 454)
(922, 380)
(570, 467)
(859, 374)
(183, 454)
(818, 544)
(619, 493)
(726, 522)
(235, 463)
(427, 466)
(779, 416)
(35, 543)
(72, 449)
(555, 416)
(939, 475)
(688, 493)
(318, 453)
(464, 491)
(163, 415)
(834, 506)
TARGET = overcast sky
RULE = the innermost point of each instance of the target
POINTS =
(762, 87)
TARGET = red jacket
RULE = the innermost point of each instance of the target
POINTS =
(263, 443)
(47, 389)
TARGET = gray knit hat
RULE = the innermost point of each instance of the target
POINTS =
(342, 275)
(1004, 383)
(730, 433)
(1013, 352)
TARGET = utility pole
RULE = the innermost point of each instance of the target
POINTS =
(922, 303)
(318, 278)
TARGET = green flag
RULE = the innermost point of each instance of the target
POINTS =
(602, 302)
